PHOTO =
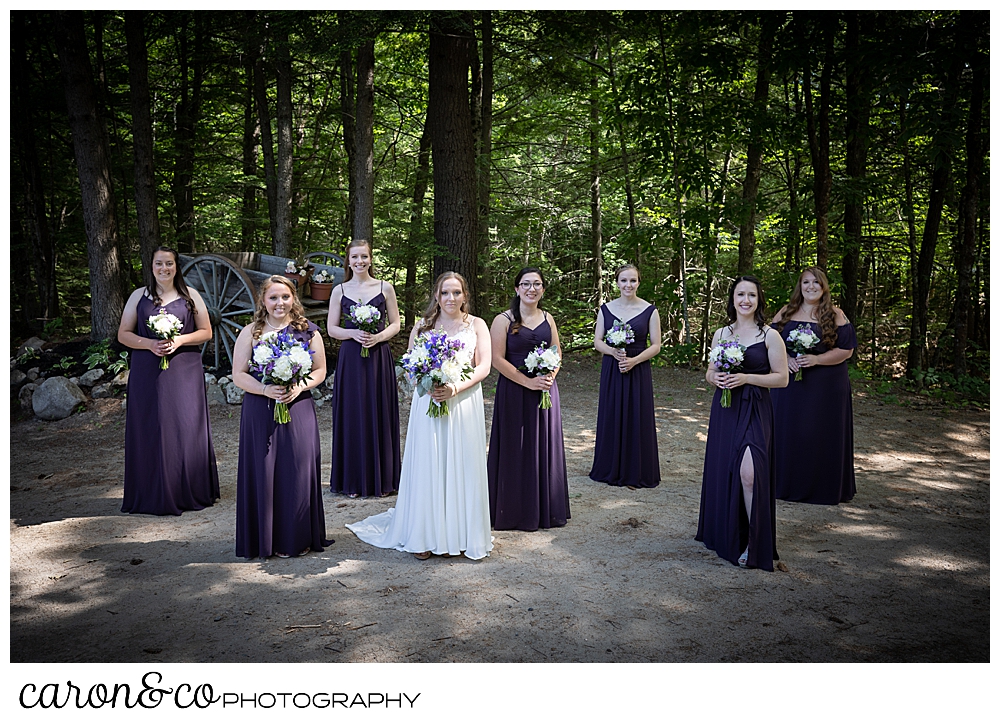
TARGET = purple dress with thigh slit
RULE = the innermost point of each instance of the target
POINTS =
(722, 522)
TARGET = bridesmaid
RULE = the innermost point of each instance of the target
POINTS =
(526, 463)
(365, 402)
(279, 496)
(169, 458)
(813, 417)
(625, 453)
(737, 487)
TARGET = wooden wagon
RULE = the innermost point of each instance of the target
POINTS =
(228, 283)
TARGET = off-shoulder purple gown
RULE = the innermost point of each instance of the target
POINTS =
(365, 408)
(169, 458)
(526, 464)
(279, 495)
(625, 451)
(814, 429)
(722, 521)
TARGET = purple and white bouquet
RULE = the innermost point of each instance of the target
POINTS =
(620, 335)
(284, 360)
(727, 357)
(543, 360)
(365, 317)
(433, 361)
(165, 326)
(801, 340)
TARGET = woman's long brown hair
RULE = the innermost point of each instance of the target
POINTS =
(297, 314)
(179, 282)
(826, 313)
(348, 271)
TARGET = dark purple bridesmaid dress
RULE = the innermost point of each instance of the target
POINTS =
(365, 406)
(625, 451)
(279, 495)
(169, 458)
(526, 464)
(722, 521)
(814, 429)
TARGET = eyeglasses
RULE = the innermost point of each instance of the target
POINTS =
(526, 285)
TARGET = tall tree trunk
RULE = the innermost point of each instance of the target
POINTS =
(595, 181)
(974, 26)
(482, 127)
(819, 142)
(711, 247)
(251, 136)
(364, 145)
(456, 203)
(414, 241)
(188, 112)
(90, 146)
(622, 143)
(941, 152)
(266, 141)
(858, 110)
(43, 256)
(347, 119)
(146, 209)
(283, 170)
(755, 144)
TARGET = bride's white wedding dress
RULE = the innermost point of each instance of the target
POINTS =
(443, 504)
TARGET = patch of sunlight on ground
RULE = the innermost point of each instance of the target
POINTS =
(875, 531)
(949, 564)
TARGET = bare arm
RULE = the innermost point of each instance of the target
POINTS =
(128, 324)
(599, 344)
(333, 327)
(498, 337)
(392, 311)
(712, 373)
(203, 325)
(831, 357)
(776, 378)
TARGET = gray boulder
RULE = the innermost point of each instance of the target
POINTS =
(56, 398)
(121, 380)
(234, 395)
(17, 378)
(215, 395)
(210, 379)
(34, 373)
(32, 343)
(24, 396)
(101, 391)
(90, 378)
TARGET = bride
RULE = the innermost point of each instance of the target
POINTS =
(443, 506)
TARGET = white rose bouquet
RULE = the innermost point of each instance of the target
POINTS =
(543, 360)
(284, 360)
(727, 357)
(165, 326)
(801, 340)
(365, 317)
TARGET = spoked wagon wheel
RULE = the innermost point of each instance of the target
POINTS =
(229, 295)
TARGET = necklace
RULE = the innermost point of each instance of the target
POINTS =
(276, 328)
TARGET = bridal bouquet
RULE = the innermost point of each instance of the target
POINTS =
(165, 326)
(284, 360)
(801, 340)
(727, 357)
(543, 360)
(620, 335)
(432, 362)
(365, 317)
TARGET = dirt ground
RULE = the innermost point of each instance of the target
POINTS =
(899, 574)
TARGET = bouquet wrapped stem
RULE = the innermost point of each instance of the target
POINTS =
(165, 326)
(727, 357)
(801, 340)
(281, 359)
(543, 359)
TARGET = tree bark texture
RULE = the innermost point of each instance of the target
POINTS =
(755, 144)
(818, 128)
(364, 145)
(595, 180)
(858, 111)
(414, 241)
(146, 208)
(266, 142)
(482, 124)
(456, 202)
(90, 147)
(283, 170)
(192, 72)
(43, 256)
(347, 110)
(974, 28)
(251, 137)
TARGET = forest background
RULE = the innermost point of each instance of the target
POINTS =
(698, 145)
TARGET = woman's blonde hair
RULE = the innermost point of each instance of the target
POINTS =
(297, 314)
(826, 312)
(433, 311)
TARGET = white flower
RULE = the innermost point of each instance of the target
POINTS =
(291, 268)
(300, 356)
(451, 371)
(262, 354)
(282, 369)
